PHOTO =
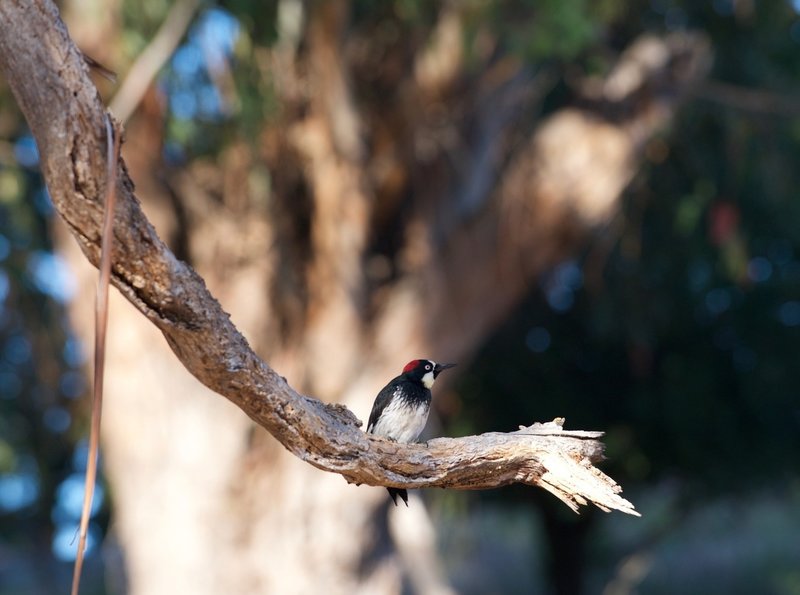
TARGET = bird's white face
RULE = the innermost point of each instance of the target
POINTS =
(428, 378)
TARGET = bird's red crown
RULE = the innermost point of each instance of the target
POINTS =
(411, 365)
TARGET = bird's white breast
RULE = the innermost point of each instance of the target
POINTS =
(402, 421)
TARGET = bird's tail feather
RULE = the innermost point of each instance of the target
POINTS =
(395, 492)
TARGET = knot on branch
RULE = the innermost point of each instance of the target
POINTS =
(343, 415)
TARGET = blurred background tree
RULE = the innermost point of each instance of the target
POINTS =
(512, 185)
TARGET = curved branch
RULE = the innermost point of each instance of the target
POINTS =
(48, 77)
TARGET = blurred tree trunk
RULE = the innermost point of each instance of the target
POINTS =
(399, 207)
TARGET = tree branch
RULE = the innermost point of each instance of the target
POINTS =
(758, 101)
(149, 62)
(49, 79)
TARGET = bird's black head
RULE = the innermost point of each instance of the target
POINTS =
(424, 371)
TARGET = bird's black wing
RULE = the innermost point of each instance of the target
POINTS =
(381, 401)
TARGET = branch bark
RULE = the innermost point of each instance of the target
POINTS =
(66, 117)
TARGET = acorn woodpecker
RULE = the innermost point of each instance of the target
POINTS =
(401, 408)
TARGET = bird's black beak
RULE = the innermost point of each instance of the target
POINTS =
(440, 368)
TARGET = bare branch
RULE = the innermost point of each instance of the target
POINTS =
(67, 119)
(150, 61)
(758, 101)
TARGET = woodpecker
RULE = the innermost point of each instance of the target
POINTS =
(401, 408)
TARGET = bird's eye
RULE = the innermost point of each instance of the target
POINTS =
(428, 367)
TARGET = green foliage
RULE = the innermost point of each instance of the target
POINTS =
(534, 30)
(142, 20)
(258, 19)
